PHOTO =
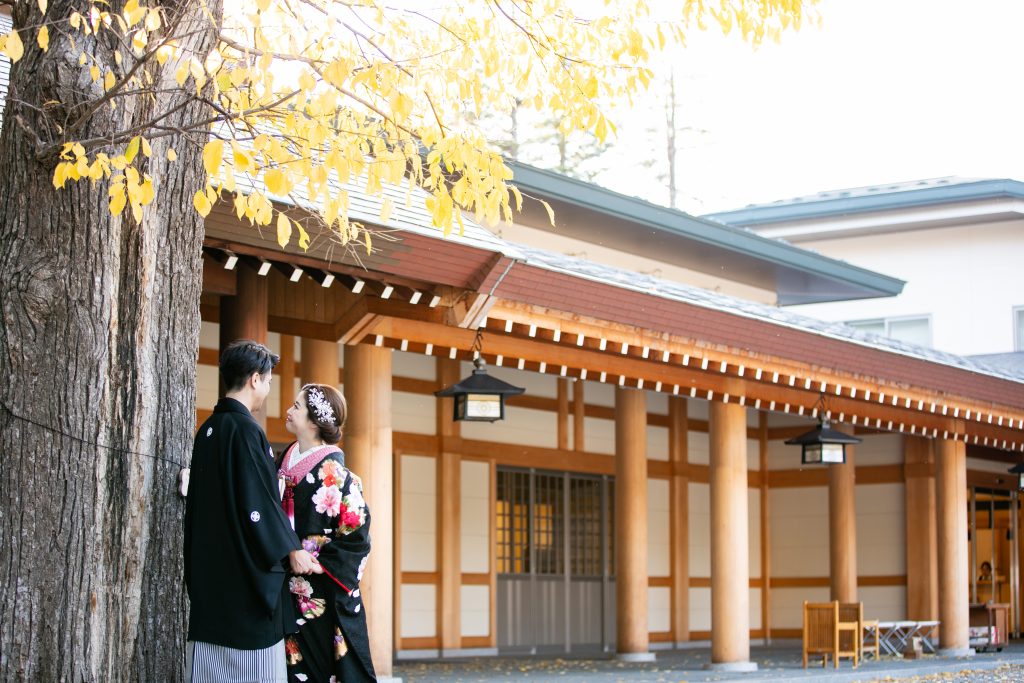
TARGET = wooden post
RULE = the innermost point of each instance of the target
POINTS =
(563, 414)
(730, 563)
(922, 562)
(631, 526)
(319, 362)
(578, 413)
(449, 498)
(244, 316)
(842, 526)
(766, 537)
(369, 455)
(679, 490)
(286, 375)
(951, 500)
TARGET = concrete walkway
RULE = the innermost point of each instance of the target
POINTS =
(775, 664)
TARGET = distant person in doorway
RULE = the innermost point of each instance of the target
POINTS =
(238, 541)
(324, 502)
(985, 573)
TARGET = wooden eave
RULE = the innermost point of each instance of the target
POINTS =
(554, 322)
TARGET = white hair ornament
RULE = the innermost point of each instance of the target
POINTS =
(321, 407)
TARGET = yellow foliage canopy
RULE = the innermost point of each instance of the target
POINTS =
(315, 95)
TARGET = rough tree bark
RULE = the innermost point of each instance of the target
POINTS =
(98, 345)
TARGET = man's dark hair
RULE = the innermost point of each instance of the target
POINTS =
(241, 359)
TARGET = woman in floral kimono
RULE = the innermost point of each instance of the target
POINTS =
(324, 502)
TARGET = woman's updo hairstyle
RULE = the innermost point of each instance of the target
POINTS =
(327, 410)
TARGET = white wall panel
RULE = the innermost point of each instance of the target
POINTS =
(413, 413)
(599, 394)
(209, 336)
(207, 386)
(787, 605)
(755, 608)
(699, 520)
(414, 365)
(658, 549)
(700, 609)
(979, 465)
(599, 435)
(475, 517)
(798, 520)
(657, 402)
(419, 514)
(698, 448)
(657, 443)
(885, 603)
(754, 530)
(753, 455)
(475, 610)
(659, 609)
(521, 426)
(881, 530)
(781, 456)
(419, 610)
(697, 409)
(879, 449)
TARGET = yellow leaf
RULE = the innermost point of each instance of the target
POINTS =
(385, 210)
(284, 230)
(242, 160)
(213, 156)
(132, 150)
(60, 175)
(276, 182)
(42, 6)
(551, 212)
(139, 41)
(303, 237)
(75, 20)
(13, 47)
(202, 204)
(108, 80)
(152, 20)
(263, 5)
(94, 73)
(146, 149)
(117, 203)
(171, 154)
(43, 38)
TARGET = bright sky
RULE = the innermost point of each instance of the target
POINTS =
(885, 91)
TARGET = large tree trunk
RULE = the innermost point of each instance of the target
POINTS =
(98, 347)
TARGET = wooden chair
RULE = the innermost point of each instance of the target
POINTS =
(852, 612)
(825, 634)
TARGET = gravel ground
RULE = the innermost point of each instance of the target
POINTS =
(775, 665)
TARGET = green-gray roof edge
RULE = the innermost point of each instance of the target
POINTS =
(825, 207)
(552, 185)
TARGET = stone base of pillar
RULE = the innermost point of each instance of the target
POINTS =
(956, 652)
(634, 657)
(731, 667)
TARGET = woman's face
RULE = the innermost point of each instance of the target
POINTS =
(297, 420)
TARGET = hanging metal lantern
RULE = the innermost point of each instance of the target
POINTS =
(479, 397)
(823, 445)
(1018, 469)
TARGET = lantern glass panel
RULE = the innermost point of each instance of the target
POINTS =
(483, 407)
(833, 453)
(812, 454)
(1020, 481)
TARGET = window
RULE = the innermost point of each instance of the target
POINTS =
(914, 330)
(1018, 328)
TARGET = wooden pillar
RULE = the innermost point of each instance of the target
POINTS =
(244, 315)
(319, 362)
(922, 562)
(449, 498)
(842, 526)
(369, 455)
(579, 407)
(730, 561)
(631, 526)
(562, 430)
(679, 517)
(286, 375)
(766, 537)
(951, 503)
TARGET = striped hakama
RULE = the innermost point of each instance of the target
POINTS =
(209, 663)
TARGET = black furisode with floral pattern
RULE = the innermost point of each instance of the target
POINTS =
(325, 502)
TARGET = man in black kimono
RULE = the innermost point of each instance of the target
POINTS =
(237, 537)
